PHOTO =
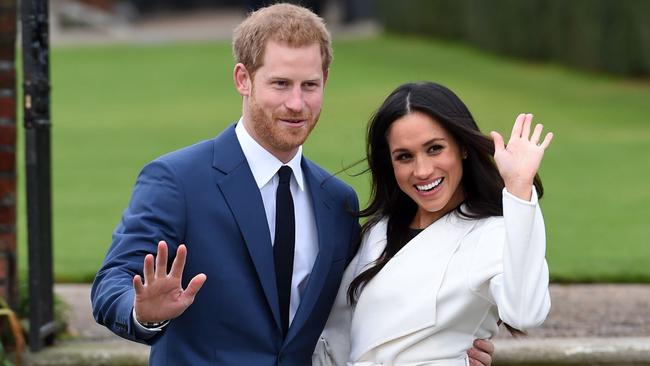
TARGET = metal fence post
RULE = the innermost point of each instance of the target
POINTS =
(36, 89)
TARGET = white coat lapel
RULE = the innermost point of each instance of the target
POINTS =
(401, 299)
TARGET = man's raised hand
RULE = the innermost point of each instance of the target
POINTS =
(161, 297)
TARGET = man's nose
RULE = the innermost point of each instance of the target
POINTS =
(295, 100)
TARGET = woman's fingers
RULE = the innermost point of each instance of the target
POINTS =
(547, 140)
(498, 141)
(525, 129)
(517, 127)
(537, 132)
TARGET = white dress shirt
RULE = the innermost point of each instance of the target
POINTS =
(264, 167)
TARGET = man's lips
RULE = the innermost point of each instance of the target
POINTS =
(293, 121)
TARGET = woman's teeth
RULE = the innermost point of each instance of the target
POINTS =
(430, 186)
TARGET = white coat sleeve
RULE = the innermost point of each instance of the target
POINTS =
(521, 289)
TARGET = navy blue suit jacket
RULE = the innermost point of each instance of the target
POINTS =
(206, 197)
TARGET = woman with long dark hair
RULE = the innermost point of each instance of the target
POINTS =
(454, 242)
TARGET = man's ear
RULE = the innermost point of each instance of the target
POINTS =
(243, 80)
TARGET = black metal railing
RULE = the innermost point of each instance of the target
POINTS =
(36, 89)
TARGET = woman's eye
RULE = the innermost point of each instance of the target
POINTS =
(402, 157)
(435, 148)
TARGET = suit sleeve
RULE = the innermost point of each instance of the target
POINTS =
(156, 212)
(521, 289)
(355, 238)
(333, 346)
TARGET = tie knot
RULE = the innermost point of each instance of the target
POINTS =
(285, 174)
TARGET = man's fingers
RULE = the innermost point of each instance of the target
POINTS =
(161, 260)
(484, 345)
(195, 285)
(547, 140)
(179, 262)
(137, 284)
(481, 353)
(480, 357)
(498, 141)
(147, 269)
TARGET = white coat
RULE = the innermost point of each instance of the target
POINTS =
(448, 286)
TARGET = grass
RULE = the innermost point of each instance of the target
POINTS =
(117, 107)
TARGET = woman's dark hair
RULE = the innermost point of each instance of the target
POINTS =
(481, 182)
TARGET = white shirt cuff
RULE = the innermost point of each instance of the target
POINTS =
(141, 329)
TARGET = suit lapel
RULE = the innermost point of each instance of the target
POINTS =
(321, 202)
(243, 197)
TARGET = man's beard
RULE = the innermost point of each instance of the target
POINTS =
(271, 133)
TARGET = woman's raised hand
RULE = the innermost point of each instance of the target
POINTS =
(519, 160)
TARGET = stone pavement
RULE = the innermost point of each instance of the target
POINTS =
(602, 311)
(588, 325)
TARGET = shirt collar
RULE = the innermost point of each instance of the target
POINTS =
(263, 164)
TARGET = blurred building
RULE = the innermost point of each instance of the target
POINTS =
(350, 10)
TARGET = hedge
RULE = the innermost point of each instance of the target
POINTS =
(599, 35)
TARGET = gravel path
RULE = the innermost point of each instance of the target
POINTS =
(597, 311)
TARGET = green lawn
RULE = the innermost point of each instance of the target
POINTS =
(117, 107)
